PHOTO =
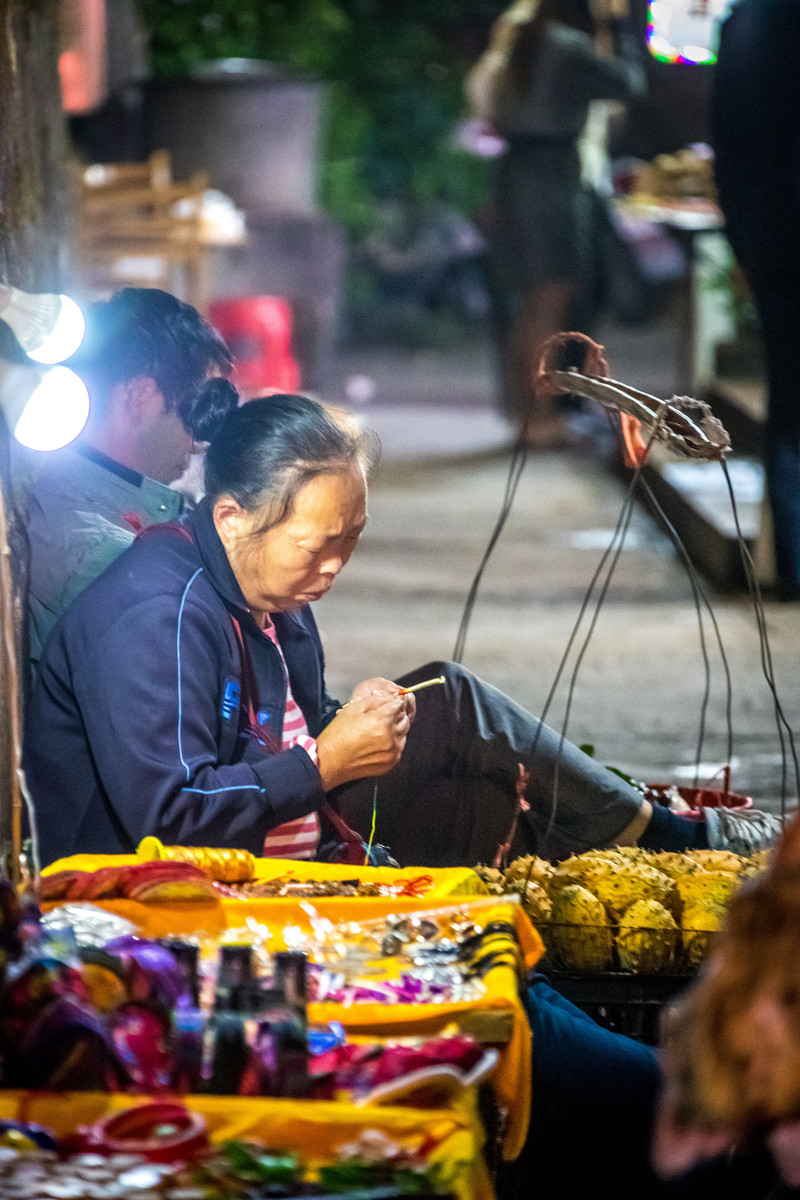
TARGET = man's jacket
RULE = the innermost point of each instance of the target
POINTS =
(138, 723)
(84, 510)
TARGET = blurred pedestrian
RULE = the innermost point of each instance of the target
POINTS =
(546, 65)
(756, 138)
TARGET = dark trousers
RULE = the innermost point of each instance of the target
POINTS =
(592, 1108)
(778, 302)
(451, 799)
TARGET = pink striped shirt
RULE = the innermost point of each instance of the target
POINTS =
(300, 838)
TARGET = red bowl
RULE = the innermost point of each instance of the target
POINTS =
(700, 798)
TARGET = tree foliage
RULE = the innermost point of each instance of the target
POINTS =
(395, 83)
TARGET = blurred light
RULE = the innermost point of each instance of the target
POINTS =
(698, 54)
(662, 49)
(65, 337)
(476, 137)
(48, 327)
(45, 407)
(83, 62)
(685, 31)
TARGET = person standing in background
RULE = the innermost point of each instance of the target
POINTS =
(755, 120)
(546, 64)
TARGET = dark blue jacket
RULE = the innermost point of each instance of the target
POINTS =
(137, 724)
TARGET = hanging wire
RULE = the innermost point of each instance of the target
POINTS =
(613, 550)
(616, 546)
(765, 650)
(519, 457)
(700, 595)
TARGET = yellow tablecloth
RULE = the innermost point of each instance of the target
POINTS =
(497, 1017)
(447, 881)
(311, 1128)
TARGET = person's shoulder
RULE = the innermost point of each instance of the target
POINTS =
(158, 563)
(57, 477)
(164, 552)
(145, 589)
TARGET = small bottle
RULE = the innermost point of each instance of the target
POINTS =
(234, 977)
(290, 976)
(281, 1049)
(188, 1029)
(283, 1028)
(224, 1056)
(188, 955)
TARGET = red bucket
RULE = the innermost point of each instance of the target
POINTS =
(258, 330)
(698, 798)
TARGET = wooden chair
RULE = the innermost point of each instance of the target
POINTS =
(138, 227)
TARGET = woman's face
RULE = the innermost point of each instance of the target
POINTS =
(295, 563)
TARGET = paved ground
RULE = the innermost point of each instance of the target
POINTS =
(639, 692)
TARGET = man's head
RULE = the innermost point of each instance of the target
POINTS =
(156, 373)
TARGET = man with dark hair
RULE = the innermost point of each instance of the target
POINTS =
(155, 370)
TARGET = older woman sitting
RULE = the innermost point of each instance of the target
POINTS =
(183, 695)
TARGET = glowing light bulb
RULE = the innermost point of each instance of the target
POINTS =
(56, 411)
(65, 337)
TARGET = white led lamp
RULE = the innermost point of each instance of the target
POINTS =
(48, 327)
(45, 407)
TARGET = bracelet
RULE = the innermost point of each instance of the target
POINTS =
(159, 1132)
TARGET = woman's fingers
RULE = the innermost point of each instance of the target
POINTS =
(364, 738)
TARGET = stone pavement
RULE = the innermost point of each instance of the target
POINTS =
(639, 693)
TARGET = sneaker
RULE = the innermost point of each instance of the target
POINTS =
(742, 832)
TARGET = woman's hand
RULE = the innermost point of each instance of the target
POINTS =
(368, 735)
(383, 688)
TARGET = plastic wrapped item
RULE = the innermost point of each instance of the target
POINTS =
(90, 924)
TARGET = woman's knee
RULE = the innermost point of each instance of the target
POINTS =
(452, 672)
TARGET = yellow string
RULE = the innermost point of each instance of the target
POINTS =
(372, 831)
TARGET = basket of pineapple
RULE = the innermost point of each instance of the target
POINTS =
(626, 910)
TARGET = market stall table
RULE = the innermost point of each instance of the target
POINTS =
(312, 1129)
(495, 1016)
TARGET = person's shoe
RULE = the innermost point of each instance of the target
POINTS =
(743, 832)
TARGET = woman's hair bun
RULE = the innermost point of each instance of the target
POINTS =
(211, 405)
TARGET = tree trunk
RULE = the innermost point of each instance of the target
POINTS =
(34, 219)
(33, 148)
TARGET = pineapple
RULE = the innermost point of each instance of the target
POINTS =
(711, 889)
(535, 901)
(620, 884)
(699, 925)
(675, 865)
(531, 868)
(647, 938)
(718, 860)
(580, 934)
